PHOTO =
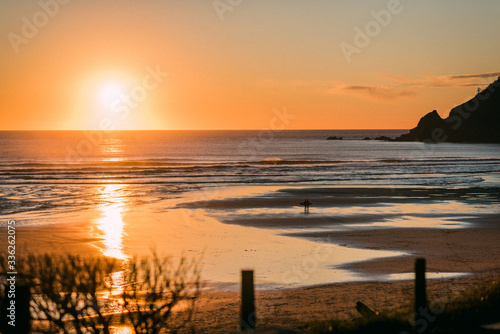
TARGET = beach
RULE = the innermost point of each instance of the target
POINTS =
(158, 153)
(212, 197)
(297, 309)
(456, 230)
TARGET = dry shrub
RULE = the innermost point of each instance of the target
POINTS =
(73, 294)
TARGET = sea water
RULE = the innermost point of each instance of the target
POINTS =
(51, 170)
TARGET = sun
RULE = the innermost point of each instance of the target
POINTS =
(111, 94)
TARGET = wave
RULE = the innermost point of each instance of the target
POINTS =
(278, 161)
(391, 170)
(205, 163)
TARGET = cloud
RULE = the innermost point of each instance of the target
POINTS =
(373, 92)
(441, 81)
(474, 76)
(397, 87)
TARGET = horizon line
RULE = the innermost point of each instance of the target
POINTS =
(277, 130)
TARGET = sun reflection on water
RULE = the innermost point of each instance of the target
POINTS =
(112, 150)
(110, 225)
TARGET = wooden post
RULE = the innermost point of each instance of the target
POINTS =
(365, 311)
(423, 318)
(420, 294)
(247, 317)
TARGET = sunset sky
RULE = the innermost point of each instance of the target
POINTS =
(233, 64)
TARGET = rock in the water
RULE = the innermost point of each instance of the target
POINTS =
(384, 138)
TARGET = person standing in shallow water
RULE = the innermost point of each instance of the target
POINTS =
(306, 205)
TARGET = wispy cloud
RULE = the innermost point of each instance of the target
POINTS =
(403, 87)
(474, 76)
(461, 80)
(373, 92)
(395, 88)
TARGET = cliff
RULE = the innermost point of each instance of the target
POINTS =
(475, 121)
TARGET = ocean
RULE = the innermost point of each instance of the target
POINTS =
(48, 171)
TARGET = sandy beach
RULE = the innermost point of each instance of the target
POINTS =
(457, 232)
(296, 309)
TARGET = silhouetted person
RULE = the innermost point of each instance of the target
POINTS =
(306, 205)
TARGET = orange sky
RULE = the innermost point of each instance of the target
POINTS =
(222, 64)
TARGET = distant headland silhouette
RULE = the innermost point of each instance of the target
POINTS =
(475, 121)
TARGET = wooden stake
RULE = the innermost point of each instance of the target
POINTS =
(247, 317)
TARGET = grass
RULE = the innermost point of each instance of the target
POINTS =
(463, 315)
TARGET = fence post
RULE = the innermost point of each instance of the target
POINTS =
(423, 318)
(247, 317)
(420, 294)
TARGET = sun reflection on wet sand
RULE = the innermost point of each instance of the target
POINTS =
(110, 225)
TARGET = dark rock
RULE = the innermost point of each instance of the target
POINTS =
(475, 121)
(428, 127)
(384, 138)
(334, 138)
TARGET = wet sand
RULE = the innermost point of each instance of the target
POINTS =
(474, 250)
(57, 238)
(455, 230)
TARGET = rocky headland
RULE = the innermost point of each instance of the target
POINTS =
(475, 121)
